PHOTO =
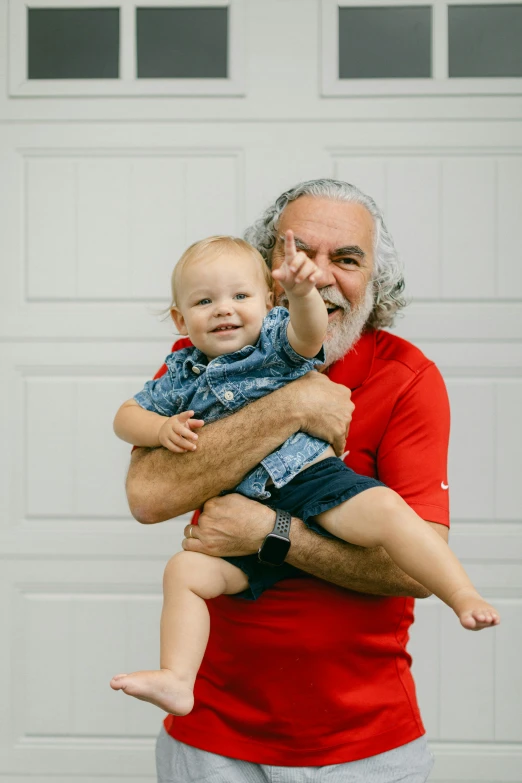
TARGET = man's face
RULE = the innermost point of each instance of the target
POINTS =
(338, 236)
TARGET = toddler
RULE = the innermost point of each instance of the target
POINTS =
(243, 349)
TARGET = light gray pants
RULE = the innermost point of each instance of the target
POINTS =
(180, 763)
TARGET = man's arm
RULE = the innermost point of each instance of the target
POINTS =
(162, 485)
(355, 568)
(234, 525)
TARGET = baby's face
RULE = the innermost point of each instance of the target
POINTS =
(223, 300)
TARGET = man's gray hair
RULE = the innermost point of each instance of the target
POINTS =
(388, 280)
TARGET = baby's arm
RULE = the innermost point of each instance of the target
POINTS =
(141, 427)
(308, 313)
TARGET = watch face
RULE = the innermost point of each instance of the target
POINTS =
(274, 550)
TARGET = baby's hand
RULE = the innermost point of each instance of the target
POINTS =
(176, 433)
(297, 273)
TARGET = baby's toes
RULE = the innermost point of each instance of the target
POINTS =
(485, 618)
(468, 621)
(117, 681)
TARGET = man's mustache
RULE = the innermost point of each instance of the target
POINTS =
(329, 295)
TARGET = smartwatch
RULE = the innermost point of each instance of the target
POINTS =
(275, 547)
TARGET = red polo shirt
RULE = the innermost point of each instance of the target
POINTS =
(311, 674)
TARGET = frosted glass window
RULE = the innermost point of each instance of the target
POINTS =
(485, 40)
(392, 42)
(182, 43)
(73, 43)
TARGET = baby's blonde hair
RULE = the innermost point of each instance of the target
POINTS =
(217, 244)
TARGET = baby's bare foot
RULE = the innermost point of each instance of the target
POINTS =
(473, 612)
(161, 688)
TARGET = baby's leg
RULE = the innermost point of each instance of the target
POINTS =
(190, 578)
(380, 517)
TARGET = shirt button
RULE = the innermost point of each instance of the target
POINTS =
(196, 370)
(228, 395)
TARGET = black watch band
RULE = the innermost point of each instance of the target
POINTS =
(275, 547)
(283, 522)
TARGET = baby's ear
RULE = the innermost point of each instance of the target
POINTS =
(269, 300)
(179, 321)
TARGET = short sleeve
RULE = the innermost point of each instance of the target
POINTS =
(412, 457)
(277, 332)
(184, 342)
(157, 396)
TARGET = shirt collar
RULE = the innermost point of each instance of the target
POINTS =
(355, 367)
(195, 358)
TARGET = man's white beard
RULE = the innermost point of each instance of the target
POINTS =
(344, 331)
(347, 326)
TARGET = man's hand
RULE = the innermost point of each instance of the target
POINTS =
(326, 409)
(229, 526)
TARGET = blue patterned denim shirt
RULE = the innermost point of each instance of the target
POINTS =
(217, 388)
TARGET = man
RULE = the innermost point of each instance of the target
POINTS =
(313, 678)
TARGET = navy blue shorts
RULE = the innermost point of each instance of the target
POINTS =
(322, 486)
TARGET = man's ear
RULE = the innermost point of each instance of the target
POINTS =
(179, 321)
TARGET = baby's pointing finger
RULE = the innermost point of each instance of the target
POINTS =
(290, 249)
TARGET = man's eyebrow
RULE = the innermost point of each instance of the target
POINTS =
(348, 250)
(300, 245)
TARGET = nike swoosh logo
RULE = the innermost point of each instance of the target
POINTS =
(443, 485)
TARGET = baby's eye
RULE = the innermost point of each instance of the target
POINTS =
(204, 301)
(241, 296)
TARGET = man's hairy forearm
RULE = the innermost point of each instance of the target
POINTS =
(352, 567)
(162, 485)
